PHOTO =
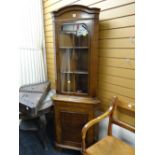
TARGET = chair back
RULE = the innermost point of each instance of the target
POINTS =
(122, 114)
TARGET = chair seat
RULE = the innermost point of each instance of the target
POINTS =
(110, 146)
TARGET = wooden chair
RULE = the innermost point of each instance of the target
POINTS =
(109, 145)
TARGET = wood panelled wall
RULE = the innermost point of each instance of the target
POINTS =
(116, 74)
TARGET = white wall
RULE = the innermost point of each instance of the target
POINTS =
(119, 132)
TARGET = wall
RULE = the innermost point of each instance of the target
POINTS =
(116, 75)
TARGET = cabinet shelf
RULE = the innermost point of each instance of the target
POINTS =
(81, 72)
(74, 72)
(78, 47)
(73, 93)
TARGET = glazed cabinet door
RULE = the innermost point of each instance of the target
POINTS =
(73, 57)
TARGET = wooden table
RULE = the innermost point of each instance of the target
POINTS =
(38, 122)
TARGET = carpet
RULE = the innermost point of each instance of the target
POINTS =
(30, 144)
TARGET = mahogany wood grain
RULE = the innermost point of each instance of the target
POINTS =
(71, 113)
(75, 102)
(87, 15)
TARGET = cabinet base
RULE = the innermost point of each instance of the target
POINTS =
(67, 147)
(71, 114)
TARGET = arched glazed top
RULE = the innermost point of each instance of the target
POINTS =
(82, 8)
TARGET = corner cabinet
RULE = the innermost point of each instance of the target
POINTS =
(76, 49)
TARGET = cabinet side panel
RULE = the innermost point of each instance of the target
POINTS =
(94, 57)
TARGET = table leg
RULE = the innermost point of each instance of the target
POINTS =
(42, 131)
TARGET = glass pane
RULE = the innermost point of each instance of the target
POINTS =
(68, 28)
(81, 36)
(66, 60)
(81, 83)
(81, 60)
(73, 48)
(67, 82)
(66, 35)
(66, 40)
